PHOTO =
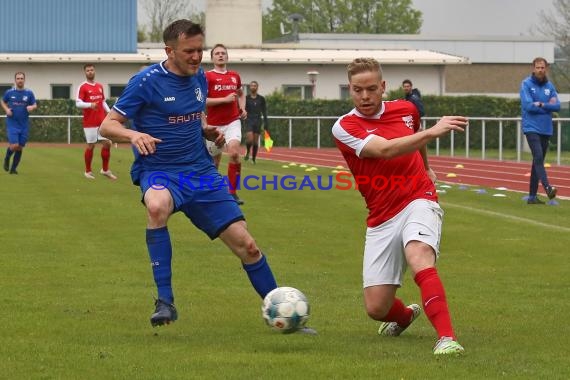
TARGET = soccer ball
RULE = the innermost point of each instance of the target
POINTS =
(213, 149)
(285, 309)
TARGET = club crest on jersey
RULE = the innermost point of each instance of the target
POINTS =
(234, 80)
(199, 95)
(409, 121)
(547, 91)
(24, 98)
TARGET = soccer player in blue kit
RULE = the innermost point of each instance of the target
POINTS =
(17, 103)
(166, 101)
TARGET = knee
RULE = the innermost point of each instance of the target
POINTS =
(158, 211)
(377, 311)
(234, 157)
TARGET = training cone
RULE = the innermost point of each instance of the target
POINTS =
(459, 166)
(451, 175)
(547, 165)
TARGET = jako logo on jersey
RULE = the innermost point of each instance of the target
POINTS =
(409, 121)
(169, 99)
(199, 95)
(184, 118)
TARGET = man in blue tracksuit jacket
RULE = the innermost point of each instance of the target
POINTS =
(538, 100)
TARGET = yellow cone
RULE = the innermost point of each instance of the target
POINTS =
(459, 166)
(547, 165)
(451, 175)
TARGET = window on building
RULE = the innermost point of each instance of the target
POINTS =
(344, 91)
(4, 87)
(115, 90)
(298, 91)
(61, 91)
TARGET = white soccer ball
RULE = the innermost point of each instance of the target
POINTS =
(213, 149)
(285, 309)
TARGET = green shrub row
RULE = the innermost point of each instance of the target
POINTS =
(305, 131)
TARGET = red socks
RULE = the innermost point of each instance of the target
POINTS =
(105, 156)
(88, 156)
(234, 171)
(398, 313)
(434, 302)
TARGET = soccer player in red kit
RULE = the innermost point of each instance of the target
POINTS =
(387, 155)
(225, 106)
(91, 98)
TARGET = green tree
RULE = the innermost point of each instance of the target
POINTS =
(343, 16)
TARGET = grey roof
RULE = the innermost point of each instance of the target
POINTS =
(285, 55)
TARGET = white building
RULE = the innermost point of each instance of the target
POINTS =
(439, 66)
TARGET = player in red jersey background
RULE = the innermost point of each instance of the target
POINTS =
(225, 107)
(91, 98)
(381, 140)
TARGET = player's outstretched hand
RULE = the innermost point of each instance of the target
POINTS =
(145, 144)
(213, 133)
(447, 124)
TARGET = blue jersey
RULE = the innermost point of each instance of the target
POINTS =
(17, 101)
(538, 119)
(168, 107)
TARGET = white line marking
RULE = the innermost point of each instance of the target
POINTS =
(511, 217)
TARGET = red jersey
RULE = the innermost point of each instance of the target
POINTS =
(92, 93)
(387, 186)
(220, 85)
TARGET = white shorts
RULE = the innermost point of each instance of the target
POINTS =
(92, 135)
(384, 260)
(232, 131)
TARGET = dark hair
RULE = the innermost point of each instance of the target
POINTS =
(88, 65)
(539, 59)
(360, 65)
(217, 46)
(20, 72)
(179, 27)
(407, 81)
(254, 81)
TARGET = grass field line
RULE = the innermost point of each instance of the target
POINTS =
(506, 216)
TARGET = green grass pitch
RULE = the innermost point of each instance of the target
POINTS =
(77, 289)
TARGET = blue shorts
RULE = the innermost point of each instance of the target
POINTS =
(204, 200)
(18, 135)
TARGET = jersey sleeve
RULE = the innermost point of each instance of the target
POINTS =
(136, 95)
(350, 136)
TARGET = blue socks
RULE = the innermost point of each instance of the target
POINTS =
(160, 252)
(260, 276)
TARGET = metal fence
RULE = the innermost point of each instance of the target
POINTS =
(484, 134)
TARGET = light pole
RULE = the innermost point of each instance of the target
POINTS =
(313, 79)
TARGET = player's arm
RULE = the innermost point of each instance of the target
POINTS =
(431, 174)
(527, 101)
(33, 104)
(113, 128)
(212, 133)
(7, 109)
(264, 113)
(224, 100)
(379, 147)
(241, 103)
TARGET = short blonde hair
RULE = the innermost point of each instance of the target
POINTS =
(360, 65)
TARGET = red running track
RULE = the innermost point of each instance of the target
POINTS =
(487, 173)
